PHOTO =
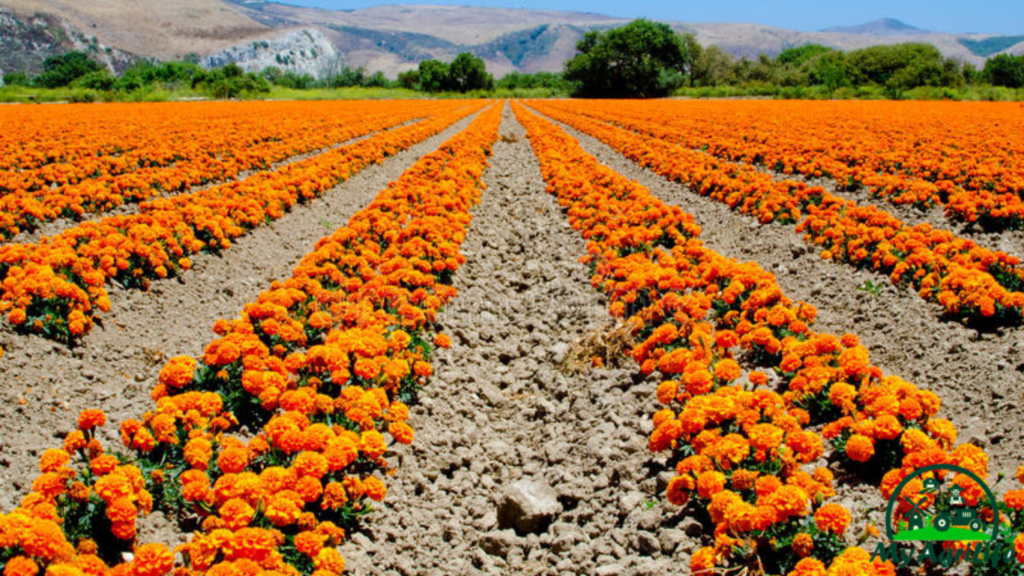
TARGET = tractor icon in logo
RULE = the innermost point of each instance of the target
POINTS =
(937, 513)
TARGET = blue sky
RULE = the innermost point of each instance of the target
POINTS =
(984, 16)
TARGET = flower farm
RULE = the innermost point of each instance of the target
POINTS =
(490, 337)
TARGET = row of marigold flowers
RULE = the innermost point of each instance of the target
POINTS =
(739, 448)
(55, 286)
(174, 160)
(969, 282)
(316, 373)
(975, 177)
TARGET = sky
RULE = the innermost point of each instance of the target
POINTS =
(981, 16)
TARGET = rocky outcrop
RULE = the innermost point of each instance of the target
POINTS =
(27, 41)
(305, 51)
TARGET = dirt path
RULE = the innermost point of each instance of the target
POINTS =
(978, 376)
(45, 384)
(499, 411)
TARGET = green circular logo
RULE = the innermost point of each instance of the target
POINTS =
(959, 522)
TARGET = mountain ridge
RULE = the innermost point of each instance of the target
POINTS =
(396, 38)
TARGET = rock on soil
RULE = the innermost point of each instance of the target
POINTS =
(499, 413)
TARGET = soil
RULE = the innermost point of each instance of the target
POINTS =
(977, 375)
(47, 384)
(499, 410)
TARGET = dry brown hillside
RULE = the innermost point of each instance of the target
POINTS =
(164, 29)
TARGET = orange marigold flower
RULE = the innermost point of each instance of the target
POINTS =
(401, 432)
(233, 460)
(375, 488)
(372, 444)
(1015, 499)
(678, 491)
(832, 518)
(236, 513)
(887, 427)
(89, 419)
(309, 543)
(803, 544)
(152, 560)
(809, 567)
(860, 448)
(178, 372)
(21, 566)
(710, 483)
(53, 459)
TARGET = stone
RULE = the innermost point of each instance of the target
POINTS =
(498, 543)
(528, 506)
(671, 539)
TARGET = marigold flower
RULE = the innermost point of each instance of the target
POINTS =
(152, 560)
(832, 518)
(803, 545)
(860, 448)
(89, 419)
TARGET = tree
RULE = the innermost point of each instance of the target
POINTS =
(62, 70)
(1005, 70)
(641, 59)
(800, 54)
(712, 67)
(829, 70)
(898, 67)
(433, 76)
(16, 79)
(468, 72)
(409, 79)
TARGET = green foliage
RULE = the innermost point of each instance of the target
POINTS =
(712, 67)
(1005, 70)
(409, 79)
(468, 72)
(871, 288)
(433, 76)
(62, 70)
(148, 73)
(99, 80)
(17, 79)
(800, 54)
(641, 59)
(828, 69)
(990, 46)
(899, 67)
(521, 81)
(230, 81)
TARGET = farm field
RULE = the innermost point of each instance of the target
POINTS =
(503, 337)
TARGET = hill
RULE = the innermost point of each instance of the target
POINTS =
(387, 38)
(880, 27)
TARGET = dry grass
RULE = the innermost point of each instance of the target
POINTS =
(607, 345)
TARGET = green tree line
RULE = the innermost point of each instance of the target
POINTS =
(640, 59)
(648, 59)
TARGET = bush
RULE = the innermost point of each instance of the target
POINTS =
(642, 59)
(99, 80)
(468, 72)
(230, 81)
(16, 79)
(1000, 70)
(59, 71)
